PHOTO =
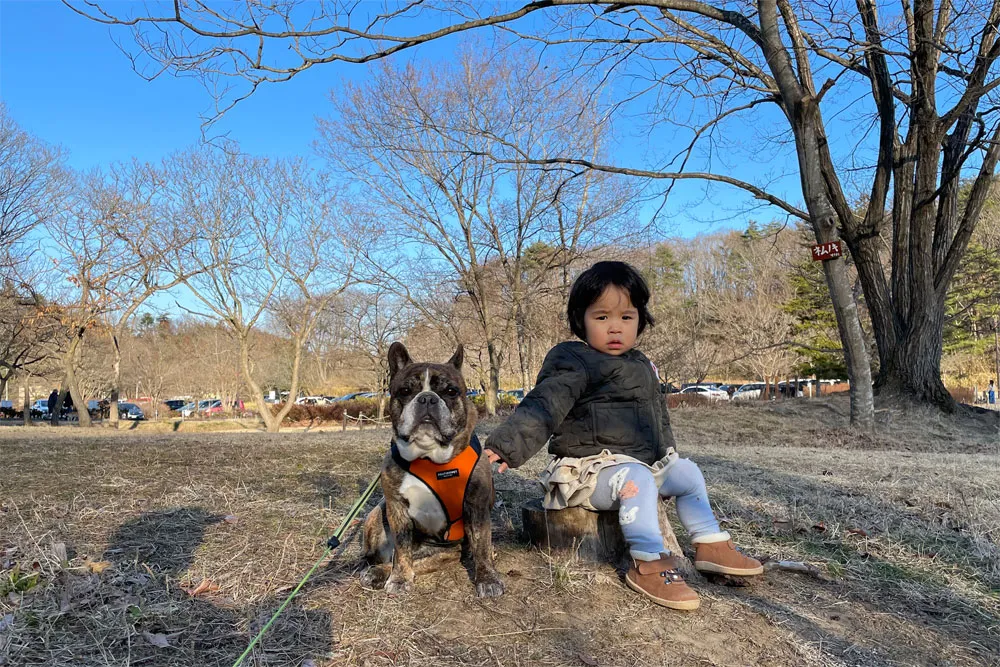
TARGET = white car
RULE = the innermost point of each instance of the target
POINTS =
(749, 392)
(313, 400)
(708, 391)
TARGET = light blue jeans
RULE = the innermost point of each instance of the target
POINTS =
(631, 489)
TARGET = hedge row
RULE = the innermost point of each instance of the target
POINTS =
(333, 412)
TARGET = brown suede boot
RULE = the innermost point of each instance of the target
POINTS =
(717, 553)
(659, 581)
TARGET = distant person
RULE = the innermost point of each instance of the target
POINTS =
(53, 399)
(991, 394)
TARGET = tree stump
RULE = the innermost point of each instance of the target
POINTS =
(591, 536)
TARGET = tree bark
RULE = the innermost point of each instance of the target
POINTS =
(524, 357)
(116, 367)
(70, 383)
(27, 401)
(590, 536)
(270, 424)
(801, 106)
(494, 388)
(996, 351)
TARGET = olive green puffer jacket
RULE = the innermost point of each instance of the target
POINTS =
(584, 402)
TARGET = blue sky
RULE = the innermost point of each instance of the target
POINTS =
(65, 81)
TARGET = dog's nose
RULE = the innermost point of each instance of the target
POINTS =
(430, 399)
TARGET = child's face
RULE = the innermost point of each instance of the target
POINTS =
(612, 322)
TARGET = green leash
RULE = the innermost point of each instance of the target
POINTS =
(331, 544)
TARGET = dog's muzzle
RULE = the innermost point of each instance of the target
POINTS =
(425, 410)
(427, 416)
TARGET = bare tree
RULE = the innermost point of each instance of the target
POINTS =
(26, 331)
(685, 344)
(886, 69)
(132, 197)
(270, 241)
(748, 303)
(376, 319)
(424, 141)
(31, 181)
(91, 263)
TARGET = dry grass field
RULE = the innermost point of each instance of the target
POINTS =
(172, 548)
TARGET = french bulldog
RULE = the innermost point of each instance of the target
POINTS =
(437, 488)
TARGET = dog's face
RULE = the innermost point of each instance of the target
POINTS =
(427, 406)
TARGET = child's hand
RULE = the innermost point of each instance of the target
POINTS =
(495, 458)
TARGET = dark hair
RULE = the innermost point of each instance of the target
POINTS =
(590, 285)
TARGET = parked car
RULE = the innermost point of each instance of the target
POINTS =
(40, 408)
(514, 393)
(312, 400)
(130, 411)
(208, 406)
(472, 393)
(174, 404)
(749, 392)
(708, 391)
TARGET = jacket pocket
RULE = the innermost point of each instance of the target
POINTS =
(614, 424)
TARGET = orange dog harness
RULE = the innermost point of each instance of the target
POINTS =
(448, 482)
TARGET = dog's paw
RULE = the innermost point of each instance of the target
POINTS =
(398, 585)
(489, 586)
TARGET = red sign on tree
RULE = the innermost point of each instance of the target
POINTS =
(824, 251)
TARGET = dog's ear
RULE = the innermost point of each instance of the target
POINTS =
(399, 358)
(456, 359)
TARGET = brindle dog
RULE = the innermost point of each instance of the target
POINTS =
(431, 418)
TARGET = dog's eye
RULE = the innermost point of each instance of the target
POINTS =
(451, 392)
(404, 391)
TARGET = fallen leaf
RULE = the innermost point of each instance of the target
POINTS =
(59, 551)
(230, 518)
(6, 622)
(819, 527)
(204, 586)
(587, 659)
(309, 662)
(157, 639)
(96, 566)
(857, 531)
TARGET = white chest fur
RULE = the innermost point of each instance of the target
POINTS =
(424, 506)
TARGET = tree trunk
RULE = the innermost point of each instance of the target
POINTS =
(913, 367)
(531, 365)
(996, 351)
(801, 106)
(272, 424)
(56, 411)
(79, 402)
(494, 388)
(523, 355)
(591, 536)
(27, 401)
(116, 381)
